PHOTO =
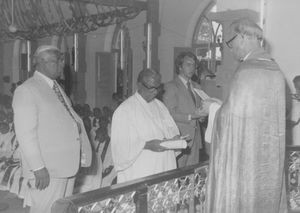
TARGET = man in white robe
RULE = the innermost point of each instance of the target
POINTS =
(139, 125)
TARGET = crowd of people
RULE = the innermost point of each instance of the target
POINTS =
(10, 156)
(101, 173)
(62, 145)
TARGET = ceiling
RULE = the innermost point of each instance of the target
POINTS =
(33, 19)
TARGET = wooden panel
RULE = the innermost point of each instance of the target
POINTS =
(105, 78)
(23, 75)
(1, 68)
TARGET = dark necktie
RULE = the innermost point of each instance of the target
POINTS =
(191, 92)
(61, 98)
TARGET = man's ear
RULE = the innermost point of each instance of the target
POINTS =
(180, 68)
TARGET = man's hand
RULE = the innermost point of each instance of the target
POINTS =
(154, 145)
(199, 114)
(42, 178)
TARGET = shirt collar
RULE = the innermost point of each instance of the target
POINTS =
(140, 98)
(184, 81)
(49, 81)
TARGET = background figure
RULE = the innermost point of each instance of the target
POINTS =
(139, 125)
(293, 118)
(109, 175)
(185, 106)
(53, 141)
(116, 101)
(246, 171)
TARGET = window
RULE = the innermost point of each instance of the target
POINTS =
(208, 45)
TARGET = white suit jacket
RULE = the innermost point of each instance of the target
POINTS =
(47, 134)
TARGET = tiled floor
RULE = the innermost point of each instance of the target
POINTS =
(14, 203)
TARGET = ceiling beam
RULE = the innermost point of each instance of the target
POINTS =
(115, 3)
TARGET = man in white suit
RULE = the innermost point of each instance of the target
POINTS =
(51, 135)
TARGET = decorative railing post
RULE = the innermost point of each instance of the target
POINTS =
(292, 168)
(141, 200)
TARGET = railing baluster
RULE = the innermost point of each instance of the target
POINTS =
(141, 203)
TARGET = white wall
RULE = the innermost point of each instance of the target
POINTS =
(238, 4)
(282, 32)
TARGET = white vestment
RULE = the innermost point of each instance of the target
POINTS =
(133, 124)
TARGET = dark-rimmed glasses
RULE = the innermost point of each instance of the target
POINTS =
(228, 43)
(151, 87)
(60, 59)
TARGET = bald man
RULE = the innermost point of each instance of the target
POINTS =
(52, 138)
(139, 125)
(246, 171)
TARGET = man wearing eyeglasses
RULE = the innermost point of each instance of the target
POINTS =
(139, 126)
(52, 138)
(246, 171)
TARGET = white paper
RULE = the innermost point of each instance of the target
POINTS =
(174, 144)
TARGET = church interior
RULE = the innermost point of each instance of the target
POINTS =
(105, 44)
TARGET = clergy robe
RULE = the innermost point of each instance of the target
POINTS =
(246, 173)
(133, 124)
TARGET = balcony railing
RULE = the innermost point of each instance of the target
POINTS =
(179, 190)
(292, 169)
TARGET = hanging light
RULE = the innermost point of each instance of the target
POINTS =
(75, 52)
(149, 43)
(12, 28)
(28, 44)
(122, 49)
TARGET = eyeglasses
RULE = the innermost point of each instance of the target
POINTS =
(151, 87)
(59, 60)
(228, 43)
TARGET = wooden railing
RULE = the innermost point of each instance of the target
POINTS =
(179, 190)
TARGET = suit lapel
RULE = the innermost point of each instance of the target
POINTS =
(198, 98)
(183, 88)
(43, 85)
(49, 92)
